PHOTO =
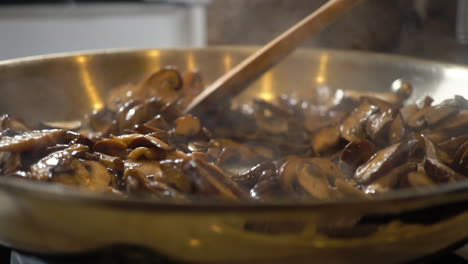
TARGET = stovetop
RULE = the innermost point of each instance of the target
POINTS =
(127, 255)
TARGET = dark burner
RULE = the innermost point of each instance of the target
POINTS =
(131, 255)
(115, 255)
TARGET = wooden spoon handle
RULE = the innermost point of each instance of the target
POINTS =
(237, 79)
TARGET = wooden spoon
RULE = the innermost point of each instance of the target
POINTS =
(237, 79)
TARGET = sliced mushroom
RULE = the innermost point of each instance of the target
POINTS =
(352, 128)
(455, 125)
(270, 118)
(141, 113)
(7, 122)
(268, 187)
(460, 160)
(164, 84)
(111, 162)
(314, 177)
(99, 178)
(419, 179)
(408, 111)
(63, 168)
(384, 160)
(146, 153)
(174, 176)
(113, 147)
(418, 119)
(136, 182)
(288, 172)
(312, 181)
(354, 155)
(378, 126)
(451, 145)
(347, 189)
(39, 139)
(435, 167)
(397, 130)
(210, 180)
(326, 139)
(138, 140)
(391, 179)
(439, 113)
(249, 178)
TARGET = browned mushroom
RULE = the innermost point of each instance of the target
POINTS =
(384, 160)
(326, 139)
(35, 140)
(397, 130)
(7, 122)
(352, 128)
(454, 126)
(435, 167)
(312, 181)
(390, 180)
(451, 145)
(419, 180)
(354, 155)
(136, 182)
(164, 84)
(460, 160)
(211, 180)
(249, 178)
(408, 111)
(267, 188)
(145, 153)
(270, 118)
(439, 113)
(378, 126)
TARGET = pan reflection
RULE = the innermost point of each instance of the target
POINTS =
(88, 84)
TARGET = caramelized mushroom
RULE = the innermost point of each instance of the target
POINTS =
(164, 84)
(136, 182)
(390, 180)
(354, 155)
(35, 140)
(210, 180)
(352, 128)
(435, 167)
(384, 160)
(7, 122)
(460, 160)
(326, 139)
(397, 130)
(249, 178)
(378, 126)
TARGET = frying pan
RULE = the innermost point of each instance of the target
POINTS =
(53, 219)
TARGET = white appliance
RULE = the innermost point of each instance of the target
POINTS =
(36, 29)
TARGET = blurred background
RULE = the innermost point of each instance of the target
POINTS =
(422, 28)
